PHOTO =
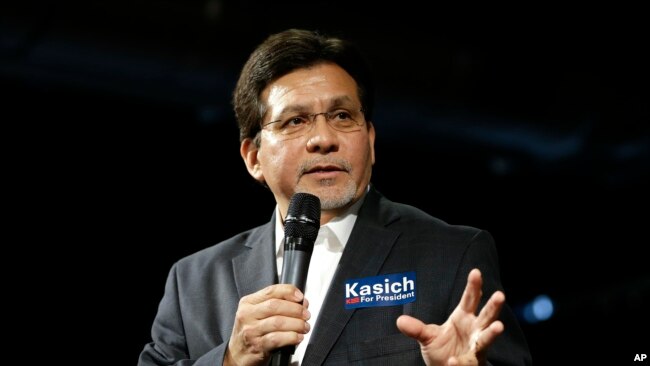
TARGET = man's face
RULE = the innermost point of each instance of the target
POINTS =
(333, 165)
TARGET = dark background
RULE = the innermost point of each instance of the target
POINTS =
(531, 123)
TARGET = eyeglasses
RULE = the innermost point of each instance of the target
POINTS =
(340, 119)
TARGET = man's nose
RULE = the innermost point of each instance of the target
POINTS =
(322, 138)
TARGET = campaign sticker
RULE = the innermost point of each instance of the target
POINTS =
(384, 290)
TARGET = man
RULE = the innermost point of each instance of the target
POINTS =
(304, 107)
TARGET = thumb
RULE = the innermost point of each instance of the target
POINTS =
(416, 329)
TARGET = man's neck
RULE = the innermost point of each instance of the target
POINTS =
(327, 215)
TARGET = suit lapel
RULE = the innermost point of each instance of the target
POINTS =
(365, 252)
(255, 269)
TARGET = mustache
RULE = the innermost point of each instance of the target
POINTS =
(309, 164)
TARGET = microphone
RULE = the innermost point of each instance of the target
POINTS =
(300, 231)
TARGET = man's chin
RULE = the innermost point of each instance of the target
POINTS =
(331, 195)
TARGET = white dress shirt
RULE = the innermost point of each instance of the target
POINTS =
(328, 249)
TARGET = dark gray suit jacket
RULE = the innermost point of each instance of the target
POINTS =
(196, 315)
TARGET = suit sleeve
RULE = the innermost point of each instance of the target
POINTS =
(510, 348)
(169, 345)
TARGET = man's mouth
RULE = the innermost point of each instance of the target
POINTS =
(324, 169)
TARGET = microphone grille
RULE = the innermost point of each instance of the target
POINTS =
(303, 217)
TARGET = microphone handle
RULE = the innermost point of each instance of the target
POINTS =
(294, 271)
(294, 268)
(282, 356)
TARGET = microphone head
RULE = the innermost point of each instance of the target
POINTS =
(303, 217)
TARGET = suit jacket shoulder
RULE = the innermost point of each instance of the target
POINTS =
(197, 312)
(221, 254)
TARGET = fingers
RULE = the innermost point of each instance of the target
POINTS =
(480, 343)
(275, 340)
(416, 329)
(275, 300)
(487, 336)
(275, 308)
(464, 338)
(282, 291)
(266, 320)
(491, 310)
(282, 323)
(486, 322)
(472, 294)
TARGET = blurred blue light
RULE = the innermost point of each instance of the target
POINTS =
(540, 309)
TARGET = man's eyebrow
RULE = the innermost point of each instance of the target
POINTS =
(301, 108)
(341, 101)
(295, 108)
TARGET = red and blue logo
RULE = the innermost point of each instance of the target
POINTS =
(384, 290)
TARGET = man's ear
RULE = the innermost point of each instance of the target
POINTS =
(248, 151)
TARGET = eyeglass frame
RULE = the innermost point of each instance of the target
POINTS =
(311, 117)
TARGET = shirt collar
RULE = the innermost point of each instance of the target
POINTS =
(339, 227)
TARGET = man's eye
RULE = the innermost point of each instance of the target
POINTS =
(343, 115)
(294, 121)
